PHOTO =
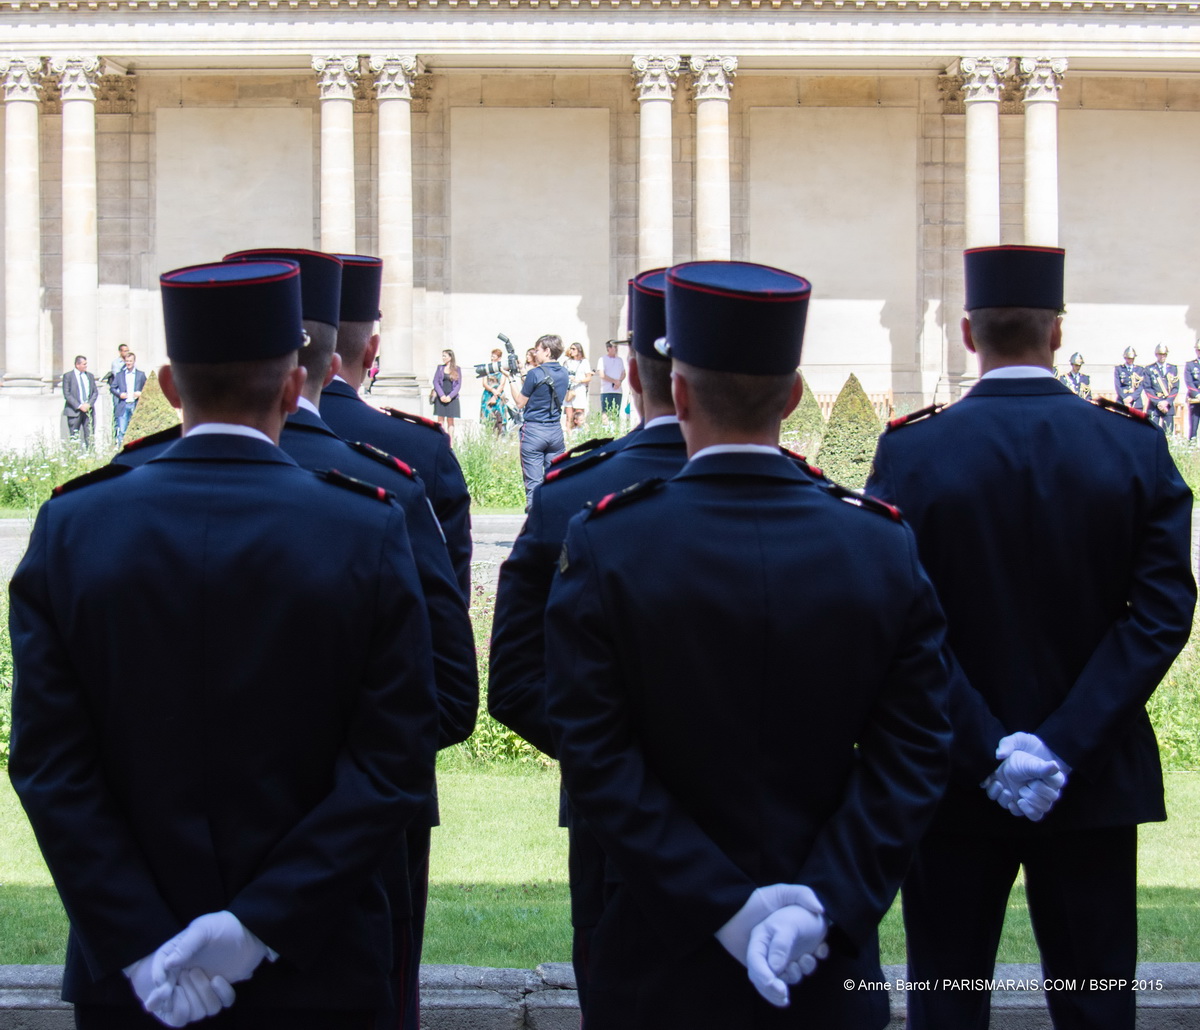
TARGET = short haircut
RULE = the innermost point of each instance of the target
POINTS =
(352, 340)
(231, 387)
(122, 346)
(1010, 332)
(655, 376)
(79, 358)
(322, 342)
(739, 400)
(131, 355)
(552, 343)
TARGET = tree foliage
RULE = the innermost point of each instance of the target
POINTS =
(153, 412)
(850, 437)
(803, 428)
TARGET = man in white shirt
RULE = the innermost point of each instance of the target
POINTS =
(612, 375)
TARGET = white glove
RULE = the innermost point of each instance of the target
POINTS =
(1025, 785)
(216, 943)
(784, 948)
(735, 934)
(1031, 743)
(179, 1001)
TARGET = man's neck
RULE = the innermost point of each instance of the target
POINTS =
(269, 426)
(698, 436)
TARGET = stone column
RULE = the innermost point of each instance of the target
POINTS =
(22, 228)
(79, 77)
(654, 81)
(1041, 79)
(394, 76)
(713, 84)
(982, 82)
(335, 81)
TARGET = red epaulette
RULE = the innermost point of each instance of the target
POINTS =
(88, 478)
(357, 485)
(586, 462)
(1122, 409)
(581, 448)
(914, 416)
(803, 462)
(416, 420)
(381, 456)
(865, 501)
(623, 497)
(163, 435)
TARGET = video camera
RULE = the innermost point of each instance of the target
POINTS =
(510, 364)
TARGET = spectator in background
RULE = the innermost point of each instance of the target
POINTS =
(541, 400)
(447, 381)
(531, 360)
(612, 375)
(372, 374)
(118, 363)
(79, 396)
(492, 408)
(576, 404)
(126, 389)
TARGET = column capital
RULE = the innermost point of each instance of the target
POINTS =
(654, 76)
(79, 76)
(1041, 77)
(22, 78)
(395, 75)
(983, 77)
(336, 75)
(714, 77)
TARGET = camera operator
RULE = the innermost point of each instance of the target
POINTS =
(541, 400)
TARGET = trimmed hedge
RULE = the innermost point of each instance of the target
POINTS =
(803, 429)
(848, 446)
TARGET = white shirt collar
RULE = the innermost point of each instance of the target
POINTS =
(229, 429)
(735, 448)
(662, 420)
(1018, 372)
(339, 379)
(306, 405)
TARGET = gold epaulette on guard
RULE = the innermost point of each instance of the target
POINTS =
(914, 416)
(357, 485)
(586, 462)
(1122, 409)
(382, 456)
(88, 478)
(162, 436)
(416, 420)
(622, 497)
(581, 448)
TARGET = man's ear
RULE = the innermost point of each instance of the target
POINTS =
(968, 339)
(370, 350)
(635, 377)
(335, 366)
(794, 395)
(1056, 334)
(293, 386)
(681, 396)
(166, 379)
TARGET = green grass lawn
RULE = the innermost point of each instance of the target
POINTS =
(498, 893)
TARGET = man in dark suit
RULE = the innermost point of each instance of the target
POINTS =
(126, 388)
(1128, 379)
(1191, 380)
(418, 441)
(758, 800)
(1162, 387)
(79, 396)
(1025, 478)
(517, 678)
(218, 810)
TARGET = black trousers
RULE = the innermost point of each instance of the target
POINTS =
(1082, 893)
(111, 1017)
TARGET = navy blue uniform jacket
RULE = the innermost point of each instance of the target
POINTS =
(424, 446)
(209, 743)
(517, 677)
(1058, 536)
(748, 689)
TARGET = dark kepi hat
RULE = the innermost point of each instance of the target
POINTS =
(320, 279)
(733, 316)
(647, 311)
(1014, 277)
(362, 280)
(232, 311)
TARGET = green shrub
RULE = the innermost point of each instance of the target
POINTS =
(27, 477)
(848, 445)
(153, 412)
(491, 466)
(491, 741)
(803, 428)
(1187, 460)
(1175, 709)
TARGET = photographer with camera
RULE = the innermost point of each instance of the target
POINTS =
(540, 402)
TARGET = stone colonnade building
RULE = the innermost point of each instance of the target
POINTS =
(516, 161)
